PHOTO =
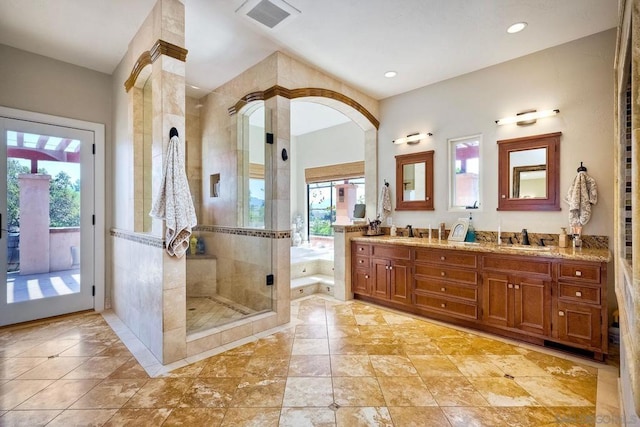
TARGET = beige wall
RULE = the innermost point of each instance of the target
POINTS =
(36, 83)
(576, 77)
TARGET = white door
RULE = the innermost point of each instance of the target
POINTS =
(46, 224)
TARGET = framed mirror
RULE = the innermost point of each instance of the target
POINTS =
(528, 173)
(414, 181)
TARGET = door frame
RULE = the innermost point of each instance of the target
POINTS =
(98, 130)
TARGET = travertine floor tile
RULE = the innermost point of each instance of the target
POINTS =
(259, 392)
(110, 393)
(210, 393)
(347, 364)
(357, 391)
(28, 418)
(363, 417)
(13, 393)
(309, 366)
(454, 391)
(160, 393)
(298, 417)
(82, 417)
(251, 417)
(394, 366)
(195, 417)
(308, 392)
(138, 417)
(59, 395)
(411, 416)
(405, 391)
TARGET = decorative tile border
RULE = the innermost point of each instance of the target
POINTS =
(143, 239)
(251, 232)
(349, 228)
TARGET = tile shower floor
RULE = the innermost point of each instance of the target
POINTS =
(208, 312)
(345, 364)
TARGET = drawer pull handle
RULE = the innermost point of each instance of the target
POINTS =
(442, 258)
(510, 286)
(561, 313)
(578, 273)
(366, 276)
(443, 305)
(361, 261)
(386, 267)
(443, 289)
(503, 196)
(579, 294)
(442, 273)
(517, 286)
(361, 249)
(391, 267)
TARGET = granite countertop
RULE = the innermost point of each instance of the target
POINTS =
(580, 254)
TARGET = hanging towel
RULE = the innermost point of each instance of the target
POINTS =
(173, 202)
(385, 202)
(581, 195)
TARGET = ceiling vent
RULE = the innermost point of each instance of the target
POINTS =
(267, 12)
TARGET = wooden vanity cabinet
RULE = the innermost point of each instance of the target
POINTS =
(391, 268)
(446, 282)
(361, 269)
(580, 305)
(382, 272)
(517, 293)
(533, 298)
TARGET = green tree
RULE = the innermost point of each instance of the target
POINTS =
(64, 202)
(14, 168)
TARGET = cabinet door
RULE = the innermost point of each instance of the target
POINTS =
(531, 305)
(579, 323)
(380, 282)
(361, 280)
(400, 281)
(496, 307)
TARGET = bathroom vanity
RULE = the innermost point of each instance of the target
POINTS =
(542, 295)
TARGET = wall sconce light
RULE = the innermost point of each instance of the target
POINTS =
(527, 117)
(412, 138)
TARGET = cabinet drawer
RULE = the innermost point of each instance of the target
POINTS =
(362, 249)
(447, 257)
(448, 289)
(458, 309)
(579, 293)
(588, 273)
(447, 273)
(362, 261)
(388, 251)
(517, 265)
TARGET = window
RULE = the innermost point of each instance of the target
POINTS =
(464, 173)
(321, 197)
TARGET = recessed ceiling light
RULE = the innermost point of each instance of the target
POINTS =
(390, 74)
(194, 87)
(516, 28)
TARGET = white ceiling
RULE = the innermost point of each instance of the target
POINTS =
(356, 41)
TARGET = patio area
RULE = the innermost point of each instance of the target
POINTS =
(45, 285)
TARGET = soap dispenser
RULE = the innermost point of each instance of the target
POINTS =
(471, 232)
(193, 243)
(563, 238)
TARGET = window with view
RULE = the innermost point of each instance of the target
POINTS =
(321, 211)
(464, 173)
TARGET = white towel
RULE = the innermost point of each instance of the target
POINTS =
(581, 195)
(173, 202)
(385, 202)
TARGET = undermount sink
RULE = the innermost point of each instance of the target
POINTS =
(526, 248)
